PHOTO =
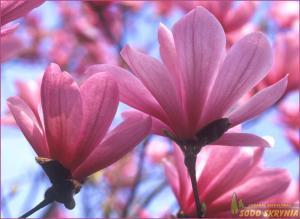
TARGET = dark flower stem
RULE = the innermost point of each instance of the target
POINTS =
(190, 163)
(41, 205)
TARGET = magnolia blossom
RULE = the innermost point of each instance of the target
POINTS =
(286, 50)
(75, 123)
(29, 92)
(157, 149)
(220, 175)
(285, 13)
(12, 10)
(123, 173)
(232, 17)
(10, 47)
(197, 82)
(289, 115)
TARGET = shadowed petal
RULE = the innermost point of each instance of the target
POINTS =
(115, 145)
(100, 98)
(11, 10)
(238, 17)
(224, 161)
(258, 103)
(155, 77)
(246, 63)
(172, 177)
(29, 125)
(8, 29)
(200, 42)
(132, 91)
(256, 189)
(241, 139)
(61, 103)
(157, 127)
(184, 178)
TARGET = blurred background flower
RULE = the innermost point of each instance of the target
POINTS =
(77, 34)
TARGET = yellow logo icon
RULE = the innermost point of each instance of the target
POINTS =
(236, 204)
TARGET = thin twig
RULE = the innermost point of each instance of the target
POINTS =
(152, 195)
(41, 205)
(108, 31)
(137, 179)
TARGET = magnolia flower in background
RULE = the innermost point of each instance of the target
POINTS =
(122, 173)
(198, 83)
(289, 116)
(286, 61)
(293, 137)
(157, 149)
(285, 13)
(29, 92)
(75, 123)
(12, 10)
(10, 47)
(82, 39)
(232, 17)
(220, 175)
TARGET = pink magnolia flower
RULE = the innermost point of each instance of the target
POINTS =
(293, 137)
(29, 92)
(286, 50)
(157, 149)
(11, 46)
(232, 17)
(12, 10)
(76, 121)
(122, 173)
(198, 82)
(220, 174)
(285, 13)
(289, 115)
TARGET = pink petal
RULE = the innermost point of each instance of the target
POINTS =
(290, 195)
(8, 29)
(29, 125)
(172, 178)
(258, 103)
(132, 91)
(239, 16)
(241, 139)
(114, 146)
(184, 178)
(30, 92)
(168, 54)
(246, 63)
(200, 42)
(11, 46)
(157, 127)
(11, 10)
(100, 98)
(155, 77)
(220, 175)
(256, 189)
(61, 103)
